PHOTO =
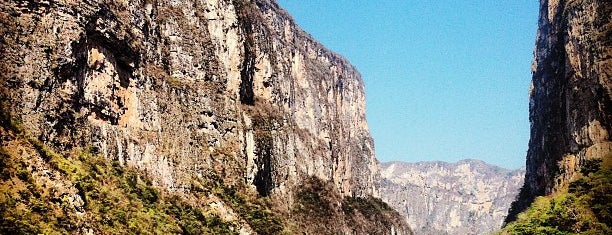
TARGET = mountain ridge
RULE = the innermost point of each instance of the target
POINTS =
(464, 197)
(470, 160)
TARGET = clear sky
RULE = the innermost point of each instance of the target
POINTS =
(445, 80)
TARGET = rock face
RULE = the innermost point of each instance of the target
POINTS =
(179, 89)
(467, 197)
(165, 85)
(571, 95)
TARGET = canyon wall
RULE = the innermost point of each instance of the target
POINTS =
(181, 90)
(570, 107)
(170, 85)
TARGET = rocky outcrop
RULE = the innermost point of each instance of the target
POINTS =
(180, 89)
(167, 86)
(467, 197)
(570, 97)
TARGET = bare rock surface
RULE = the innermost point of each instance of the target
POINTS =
(180, 89)
(570, 106)
(466, 197)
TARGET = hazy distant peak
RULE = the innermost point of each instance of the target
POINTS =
(464, 197)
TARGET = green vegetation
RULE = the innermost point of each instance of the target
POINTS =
(97, 194)
(43, 191)
(255, 210)
(586, 208)
(320, 209)
(315, 200)
(372, 211)
(366, 206)
(115, 200)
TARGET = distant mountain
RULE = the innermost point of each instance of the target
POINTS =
(467, 197)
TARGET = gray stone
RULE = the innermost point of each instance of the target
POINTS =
(467, 197)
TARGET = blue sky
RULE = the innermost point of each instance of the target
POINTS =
(445, 80)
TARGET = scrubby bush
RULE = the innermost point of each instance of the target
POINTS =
(117, 199)
(585, 209)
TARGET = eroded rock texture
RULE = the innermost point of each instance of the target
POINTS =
(467, 197)
(179, 89)
(570, 99)
(167, 85)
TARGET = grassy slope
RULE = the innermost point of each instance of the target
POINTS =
(44, 192)
(584, 208)
(111, 199)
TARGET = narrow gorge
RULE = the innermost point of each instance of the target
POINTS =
(225, 117)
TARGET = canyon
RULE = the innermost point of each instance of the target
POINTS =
(224, 117)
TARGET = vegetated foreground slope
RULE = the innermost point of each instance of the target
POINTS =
(466, 197)
(584, 207)
(570, 113)
(213, 116)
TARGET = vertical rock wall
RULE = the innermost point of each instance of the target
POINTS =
(183, 88)
(571, 94)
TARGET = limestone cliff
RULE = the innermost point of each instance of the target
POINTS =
(182, 90)
(571, 95)
(466, 197)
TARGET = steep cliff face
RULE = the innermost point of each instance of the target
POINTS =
(181, 90)
(467, 197)
(571, 95)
